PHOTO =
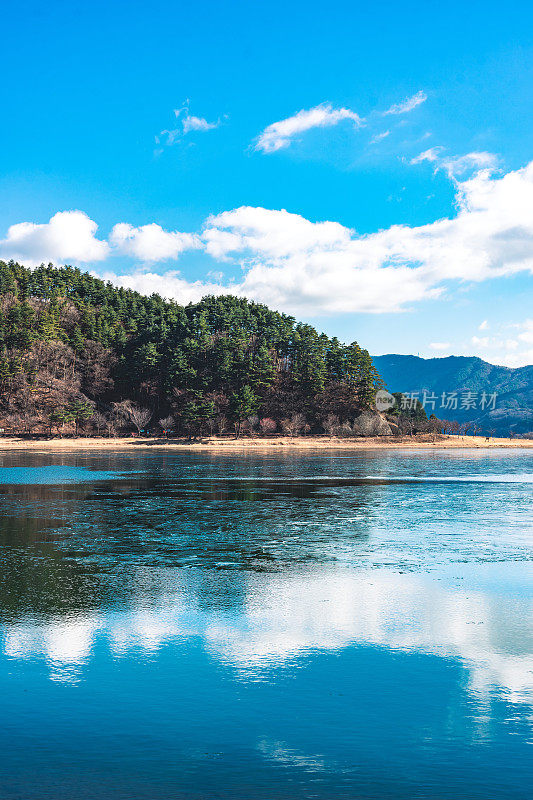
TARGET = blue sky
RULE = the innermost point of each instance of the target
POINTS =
(362, 167)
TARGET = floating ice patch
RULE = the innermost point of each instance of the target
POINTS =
(506, 478)
(53, 475)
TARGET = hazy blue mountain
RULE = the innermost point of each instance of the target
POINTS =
(513, 387)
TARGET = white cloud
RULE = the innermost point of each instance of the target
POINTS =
(69, 236)
(484, 325)
(432, 155)
(379, 137)
(500, 348)
(189, 123)
(440, 345)
(521, 358)
(408, 104)
(150, 242)
(481, 341)
(527, 332)
(169, 285)
(168, 137)
(458, 165)
(295, 264)
(272, 233)
(311, 268)
(279, 134)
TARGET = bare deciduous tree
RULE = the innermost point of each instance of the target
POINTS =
(454, 427)
(95, 365)
(253, 423)
(137, 415)
(222, 423)
(331, 424)
(293, 425)
(104, 423)
(345, 429)
(168, 424)
(212, 425)
(465, 428)
(268, 426)
(435, 426)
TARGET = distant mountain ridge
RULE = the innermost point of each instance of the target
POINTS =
(513, 409)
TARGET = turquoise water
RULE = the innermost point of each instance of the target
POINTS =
(266, 627)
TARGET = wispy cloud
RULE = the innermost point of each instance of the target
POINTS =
(527, 332)
(192, 123)
(432, 155)
(379, 137)
(457, 166)
(408, 104)
(279, 135)
(501, 348)
(187, 123)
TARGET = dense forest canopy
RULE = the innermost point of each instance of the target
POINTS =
(76, 350)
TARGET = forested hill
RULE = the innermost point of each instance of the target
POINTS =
(75, 350)
(513, 406)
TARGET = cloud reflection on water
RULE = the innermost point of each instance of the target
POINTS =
(280, 620)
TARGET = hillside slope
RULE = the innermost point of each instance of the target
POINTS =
(513, 405)
(76, 352)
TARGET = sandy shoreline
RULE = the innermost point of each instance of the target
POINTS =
(233, 445)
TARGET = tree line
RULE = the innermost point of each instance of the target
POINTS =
(79, 354)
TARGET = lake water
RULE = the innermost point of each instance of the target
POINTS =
(266, 627)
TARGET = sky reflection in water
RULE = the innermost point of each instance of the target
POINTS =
(258, 627)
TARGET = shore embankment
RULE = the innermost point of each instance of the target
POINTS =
(214, 443)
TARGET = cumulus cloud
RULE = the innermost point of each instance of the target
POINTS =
(299, 265)
(279, 134)
(150, 243)
(305, 267)
(324, 267)
(69, 236)
(440, 345)
(408, 104)
(170, 285)
(271, 233)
